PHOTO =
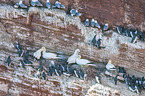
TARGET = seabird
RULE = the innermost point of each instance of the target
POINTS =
(78, 14)
(22, 64)
(40, 67)
(76, 73)
(115, 79)
(35, 3)
(57, 72)
(43, 75)
(20, 52)
(49, 55)
(121, 70)
(38, 73)
(132, 87)
(110, 66)
(64, 67)
(94, 41)
(73, 12)
(18, 46)
(57, 4)
(9, 61)
(134, 39)
(92, 23)
(137, 89)
(119, 29)
(51, 70)
(97, 24)
(85, 62)
(105, 27)
(26, 54)
(99, 44)
(73, 58)
(87, 22)
(81, 73)
(37, 54)
(48, 4)
(62, 6)
(97, 79)
(20, 4)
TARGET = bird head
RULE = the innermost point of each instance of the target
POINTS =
(106, 24)
(56, 2)
(87, 19)
(110, 61)
(93, 20)
(77, 51)
(43, 49)
(16, 6)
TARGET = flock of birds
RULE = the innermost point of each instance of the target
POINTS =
(134, 33)
(135, 84)
(54, 68)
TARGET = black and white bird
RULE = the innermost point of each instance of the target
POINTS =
(87, 22)
(94, 41)
(105, 27)
(48, 4)
(20, 52)
(20, 5)
(18, 47)
(22, 64)
(134, 39)
(99, 44)
(76, 72)
(36, 3)
(73, 12)
(43, 75)
(92, 23)
(9, 61)
(59, 5)
(115, 79)
(78, 13)
(119, 29)
(97, 24)
(81, 73)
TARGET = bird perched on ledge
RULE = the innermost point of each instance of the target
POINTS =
(72, 59)
(110, 66)
(20, 5)
(37, 54)
(49, 55)
(35, 3)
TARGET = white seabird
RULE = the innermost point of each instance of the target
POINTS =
(110, 66)
(72, 59)
(49, 55)
(37, 54)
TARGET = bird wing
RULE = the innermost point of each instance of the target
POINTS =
(82, 61)
(37, 54)
(49, 55)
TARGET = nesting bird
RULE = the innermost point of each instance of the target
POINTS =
(115, 79)
(97, 24)
(35, 3)
(87, 22)
(110, 66)
(20, 5)
(9, 60)
(48, 4)
(119, 29)
(105, 27)
(134, 39)
(47, 55)
(74, 12)
(37, 54)
(72, 59)
(94, 41)
(92, 23)
(59, 5)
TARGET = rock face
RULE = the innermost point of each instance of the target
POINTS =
(58, 31)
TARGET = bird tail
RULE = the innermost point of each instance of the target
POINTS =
(92, 65)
